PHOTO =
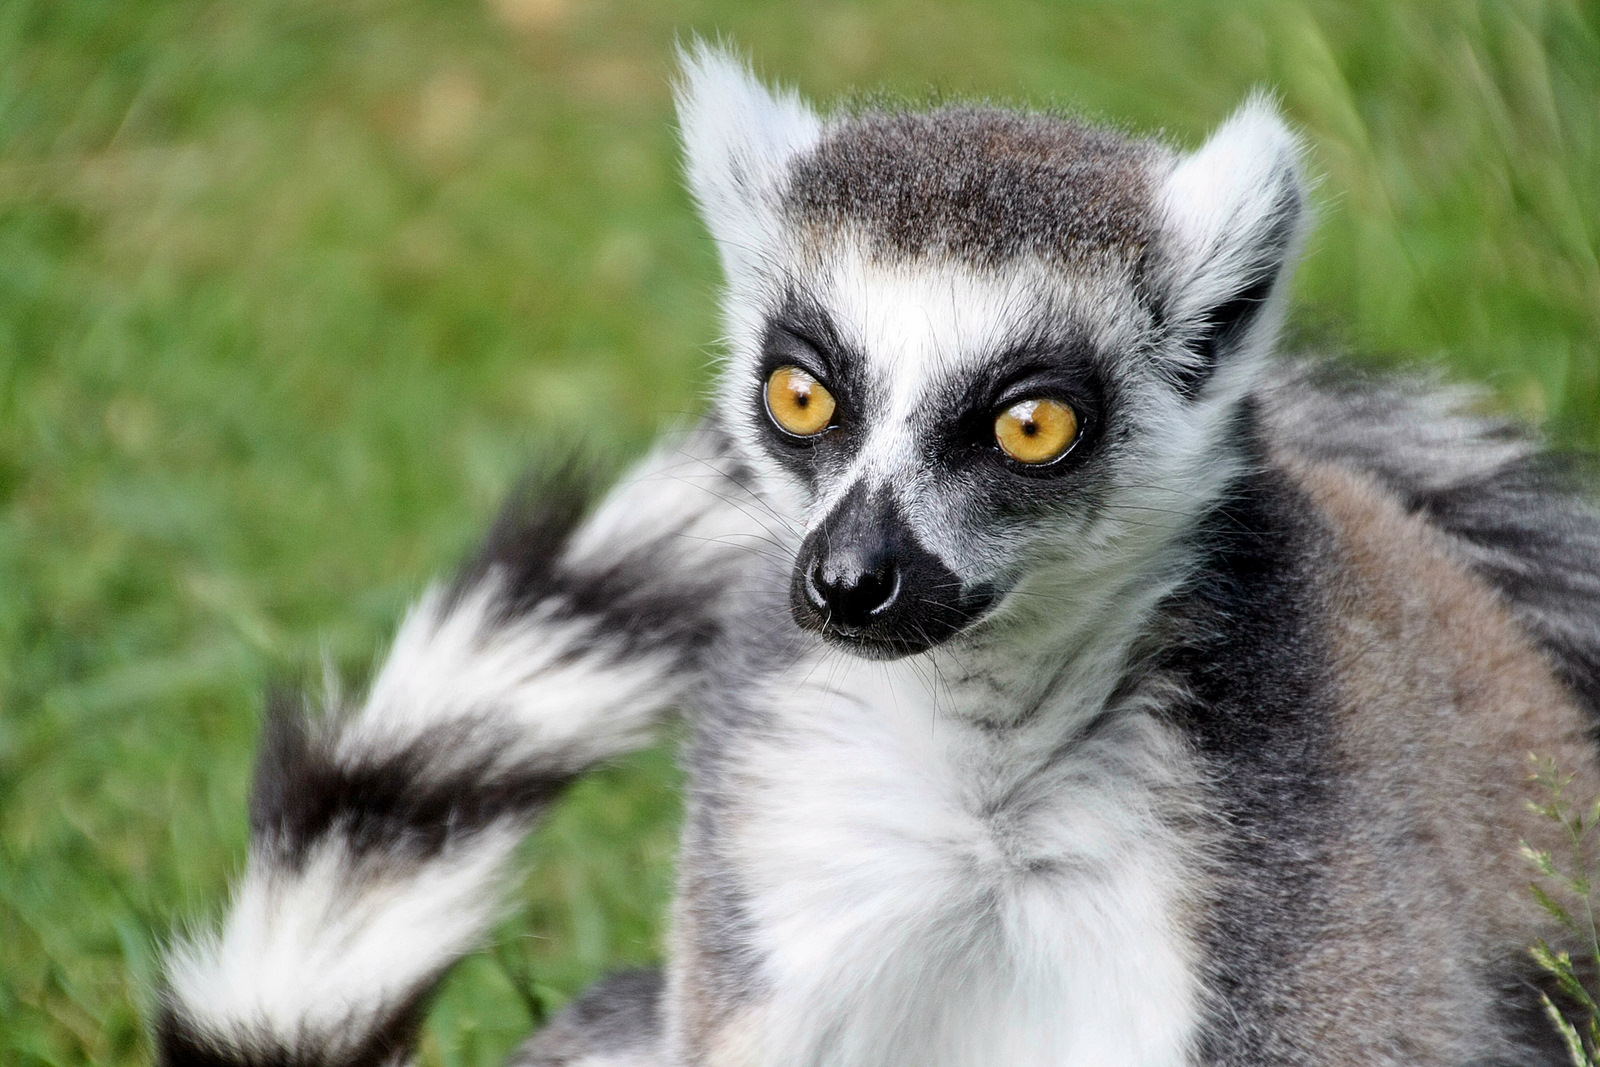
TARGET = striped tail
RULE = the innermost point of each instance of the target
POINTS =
(380, 836)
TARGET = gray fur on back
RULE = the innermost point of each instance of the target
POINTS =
(1515, 510)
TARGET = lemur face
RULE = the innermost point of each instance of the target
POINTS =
(988, 358)
(943, 429)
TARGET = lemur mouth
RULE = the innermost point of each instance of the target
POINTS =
(888, 646)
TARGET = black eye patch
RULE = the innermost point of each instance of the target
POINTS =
(800, 333)
(960, 413)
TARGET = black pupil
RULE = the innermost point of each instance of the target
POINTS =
(802, 398)
(1030, 428)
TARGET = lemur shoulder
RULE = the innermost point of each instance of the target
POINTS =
(1070, 680)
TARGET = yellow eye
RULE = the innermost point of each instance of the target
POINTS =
(798, 402)
(1036, 431)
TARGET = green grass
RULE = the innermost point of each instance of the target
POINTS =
(289, 289)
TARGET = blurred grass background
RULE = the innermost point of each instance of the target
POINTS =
(290, 288)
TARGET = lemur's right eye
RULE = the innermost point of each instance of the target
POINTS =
(798, 403)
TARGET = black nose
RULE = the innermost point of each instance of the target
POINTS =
(864, 581)
(852, 590)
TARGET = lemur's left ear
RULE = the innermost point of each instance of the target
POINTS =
(738, 139)
(1234, 212)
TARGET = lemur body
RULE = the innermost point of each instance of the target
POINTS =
(1200, 739)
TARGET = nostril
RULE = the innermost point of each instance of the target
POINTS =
(816, 586)
(875, 592)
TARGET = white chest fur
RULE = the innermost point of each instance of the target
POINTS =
(927, 891)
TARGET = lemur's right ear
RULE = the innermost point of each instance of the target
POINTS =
(1234, 212)
(738, 139)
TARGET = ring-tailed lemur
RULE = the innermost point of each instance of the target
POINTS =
(1068, 684)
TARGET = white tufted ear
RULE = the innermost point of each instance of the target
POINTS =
(738, 138)
(1235, 211)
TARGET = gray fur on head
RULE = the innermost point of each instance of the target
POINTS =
(979, 184)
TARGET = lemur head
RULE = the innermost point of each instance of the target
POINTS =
(982, 352)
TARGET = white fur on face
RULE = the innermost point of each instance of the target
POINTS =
(919, 325)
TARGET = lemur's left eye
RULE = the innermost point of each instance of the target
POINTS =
(1036, 431)
(798, 402)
